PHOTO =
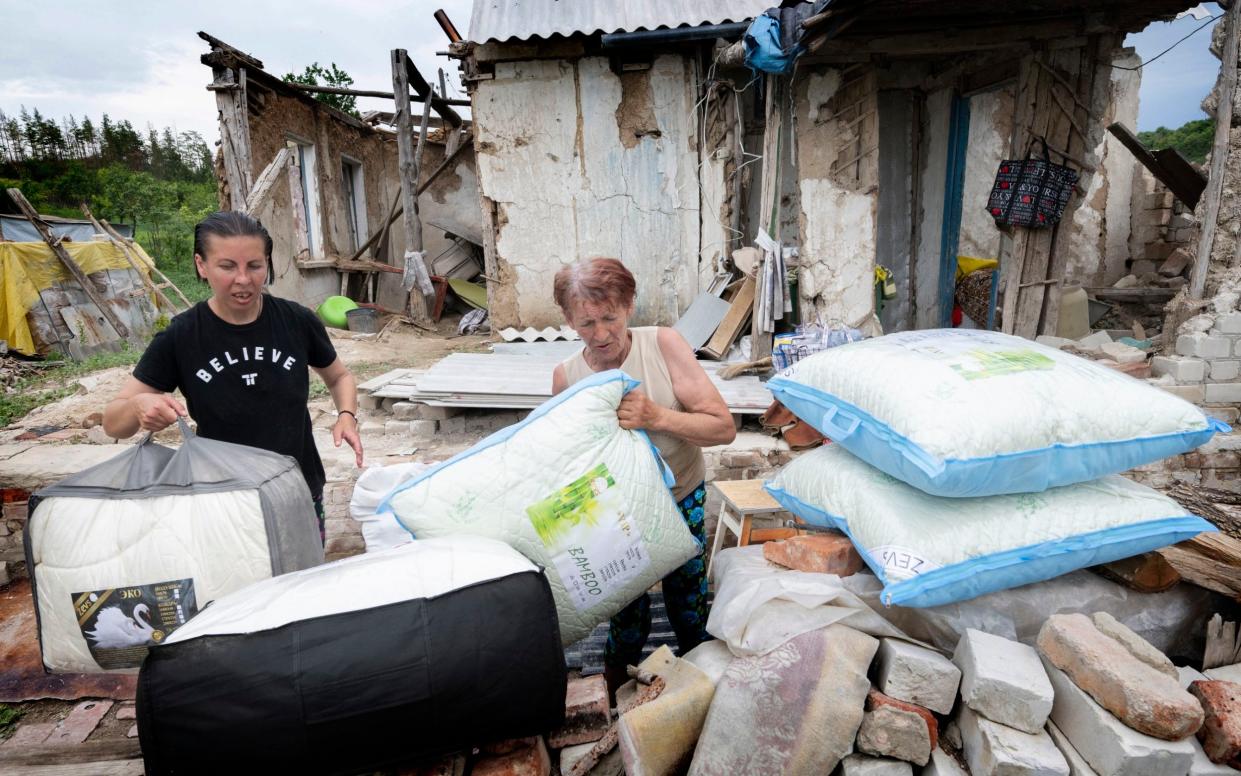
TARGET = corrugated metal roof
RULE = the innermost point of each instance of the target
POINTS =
(501, 20)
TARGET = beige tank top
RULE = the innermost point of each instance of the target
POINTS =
(646, 364)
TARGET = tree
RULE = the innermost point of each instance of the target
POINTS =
(1193, 139)
(317, 75)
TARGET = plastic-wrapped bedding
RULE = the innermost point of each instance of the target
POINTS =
(122, 554)
(931, 550)
(360, 664)
(974, 413)
(569, 489)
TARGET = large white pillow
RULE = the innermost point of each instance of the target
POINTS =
(931, 550)
(974, 413)
(607, 525)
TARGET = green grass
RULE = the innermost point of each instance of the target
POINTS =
(9, 715)
(55, 383)
(186, 278)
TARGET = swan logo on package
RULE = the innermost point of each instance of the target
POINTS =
(120, 624)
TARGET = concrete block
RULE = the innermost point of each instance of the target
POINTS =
(1077, 764)
(1092, 342)
(396, 427)
(405, 410)
(863, 765)
(367, 401)
(1202, 345)
(1230, 673)
(1111, 747)
(1122, 353)
(818, 553)
(1142, 697)
(1228, 323)
(1221, 731)
(992, 749)
(1224, 370)
(1223, 393)
(371, 428)
(1183, 370)
(1003, 680)
(423, 429)
(944, 764)
(1176, 263)
(1136, 645)
(1194, 394)
(452, 425)
(916, 674)
(586, 716)
(892, 728)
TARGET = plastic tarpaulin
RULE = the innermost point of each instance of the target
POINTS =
(26, 268)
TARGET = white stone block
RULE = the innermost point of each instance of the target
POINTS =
(1053, 342)
(1204, 345)
(1195, 394)
(1183, 370)
(916, 674)
(1223, 393)
(423, 429)
(1122, 353)
(1228, 323)
(993, 749)
(944, 764)
(1077, 764)
(1189, 675)
(1230, 673)
(368, 401)
(864, 765)
(1093, 341)
(1229, 369)
(1003, 680)
(1112, 748)
(396, 427)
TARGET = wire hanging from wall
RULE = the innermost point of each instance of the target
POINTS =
(1197, 29)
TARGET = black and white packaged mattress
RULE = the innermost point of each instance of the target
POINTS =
(411, 652)
(124, 553)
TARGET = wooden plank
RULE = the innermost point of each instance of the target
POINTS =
(375, 383)
(151, 288)
(1014, 267)
(365, 93)
(267, 180)
(1157, 296)
(1183, 180)
(730, 328)
(1223, 648)
(419, 84)
(406, 165)
(87, 286)
(1219, 153)
(234, 133)
(297, 201)
(59, 754)
(1146, 573)
(111, 768)
(1211, 561)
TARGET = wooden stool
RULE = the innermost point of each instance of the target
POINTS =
(745, 498)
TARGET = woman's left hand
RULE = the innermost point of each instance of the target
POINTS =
(637, 410)
(346, 430)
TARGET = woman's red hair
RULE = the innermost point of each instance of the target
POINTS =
(596, 280)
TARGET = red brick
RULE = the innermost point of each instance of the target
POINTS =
(586, 714)
(81, 722)
(127, 711)
(1142, 697)
(1221, 731)
(822, 553)
(529, 760)
(875, 699)
(31, 734)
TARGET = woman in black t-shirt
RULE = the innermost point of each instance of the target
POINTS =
(240, 359)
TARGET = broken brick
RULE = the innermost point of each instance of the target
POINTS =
(820, 553)
(81, 722)
(586, 716)
(1142, 697)
(892, 728)
(528, 760)
(31, 734)
(127, 711)
(1221, 731)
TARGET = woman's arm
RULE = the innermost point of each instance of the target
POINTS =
(705, 420)
(559, 381)
(138, 405)
(344, 389)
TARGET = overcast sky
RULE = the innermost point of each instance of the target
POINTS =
(140, 61)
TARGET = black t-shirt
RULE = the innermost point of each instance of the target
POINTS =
(246, 384)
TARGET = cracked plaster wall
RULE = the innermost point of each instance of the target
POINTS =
(991, 130)
(571, 179)
(837, 121)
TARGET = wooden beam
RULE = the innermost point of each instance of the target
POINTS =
(57, 754)
(234, 135)
(163, 279)
(297, 202)
(365, 93)
(401, 68)
(1169, 167)
(267, 180)
(1209, 560)
(88, 287)
(415, 81)
(151, 288)
(1219, 152)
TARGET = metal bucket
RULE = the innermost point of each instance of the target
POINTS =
(363, 320)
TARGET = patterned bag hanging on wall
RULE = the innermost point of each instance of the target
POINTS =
(1031, 192)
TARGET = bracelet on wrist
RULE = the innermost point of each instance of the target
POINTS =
(347, 412)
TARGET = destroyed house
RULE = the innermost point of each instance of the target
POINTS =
(335, 187)
(877, 149)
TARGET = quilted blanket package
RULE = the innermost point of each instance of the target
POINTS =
(976, 413)
(569, 489)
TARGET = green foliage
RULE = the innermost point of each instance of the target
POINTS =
(9, 715)
(1193, 139)
(317, 75)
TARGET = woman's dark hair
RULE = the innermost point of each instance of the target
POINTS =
(230, 223)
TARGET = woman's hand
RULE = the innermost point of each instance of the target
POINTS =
(156, 411)
(636, 411)
(346, 430)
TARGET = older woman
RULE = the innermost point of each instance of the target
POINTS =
(676, 404)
